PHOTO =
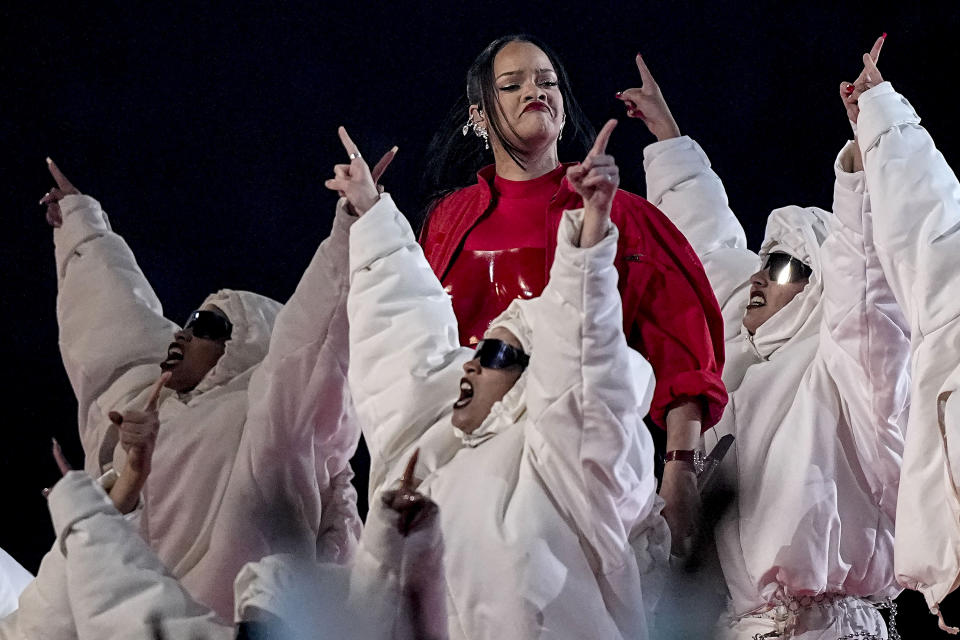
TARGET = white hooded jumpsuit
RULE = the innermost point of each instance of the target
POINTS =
(818, 405)
(916, 212)
(548, 509)
(270, 426)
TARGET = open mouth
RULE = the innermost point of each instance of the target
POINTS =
(174, 356)
(756, 300)
(466, 394)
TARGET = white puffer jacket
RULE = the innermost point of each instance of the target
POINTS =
(271, 424)
(818, 396)
(119, 589)
(916, 203)
(547, 508)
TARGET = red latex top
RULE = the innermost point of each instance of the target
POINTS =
(670, 313)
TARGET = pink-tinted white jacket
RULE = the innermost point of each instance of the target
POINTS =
(548, 509)
(271, 424)
(916, 213)
(818, 395)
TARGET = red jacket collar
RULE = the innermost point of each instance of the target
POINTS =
(486, 175)
(452, 218)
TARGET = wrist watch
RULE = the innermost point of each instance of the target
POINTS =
(694, 457)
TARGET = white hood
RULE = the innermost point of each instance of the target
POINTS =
(252, 316)
(798, 231)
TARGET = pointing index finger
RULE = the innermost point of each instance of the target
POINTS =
(407, 481)
(61, 459)
(600, 144)
(382, 165)
(875, 49)
(348, 144)
(155, 391)
(645, 74)
(58, 176)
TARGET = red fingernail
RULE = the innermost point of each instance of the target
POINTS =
(638, 55)
(884, 36)
(619, 93)
(849, 88)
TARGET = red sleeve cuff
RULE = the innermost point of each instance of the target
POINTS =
(706, 386)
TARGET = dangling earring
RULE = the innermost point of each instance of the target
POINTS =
(562, 122)
(480, 132)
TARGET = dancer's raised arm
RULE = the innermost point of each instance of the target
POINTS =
(110, 318)
(915, 196)
(681, 183)
(299, 397)
(404, 353)
(864, 337)
(588, 391)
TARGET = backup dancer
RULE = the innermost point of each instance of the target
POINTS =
(817, 376)
(255, 416)
(490, 237)
(532, 445)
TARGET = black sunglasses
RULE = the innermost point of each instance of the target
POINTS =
(497, 354)
(784, 268)
(209, 325)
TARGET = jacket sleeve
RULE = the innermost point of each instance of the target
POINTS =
(405, 359)
(300, 409)
(115, 582)
(587, 393)
(864, 339)
(340, 523)
(682, 185)
(916, 199)
(110, 318)
(43, 608)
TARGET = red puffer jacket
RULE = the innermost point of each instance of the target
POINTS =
(670, 314)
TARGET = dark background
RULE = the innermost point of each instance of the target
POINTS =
(207, 131)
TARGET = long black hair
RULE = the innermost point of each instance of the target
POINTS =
(454, 159)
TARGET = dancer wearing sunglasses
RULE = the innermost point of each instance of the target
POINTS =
(256, 423)
(817, 376)
(916, 204)
(533, 444)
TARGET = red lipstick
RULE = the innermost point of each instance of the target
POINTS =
(536, 106)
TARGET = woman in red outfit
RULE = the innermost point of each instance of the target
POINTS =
(494, 240)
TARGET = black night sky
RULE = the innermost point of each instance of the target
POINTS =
(206, 132)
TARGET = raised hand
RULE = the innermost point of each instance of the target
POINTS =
(62, 463)
(138, 437)
(870, 77)
(52, 198)
(355, 181)
(596, 180)
(414, 508)
(647, 103)
(61, 459)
